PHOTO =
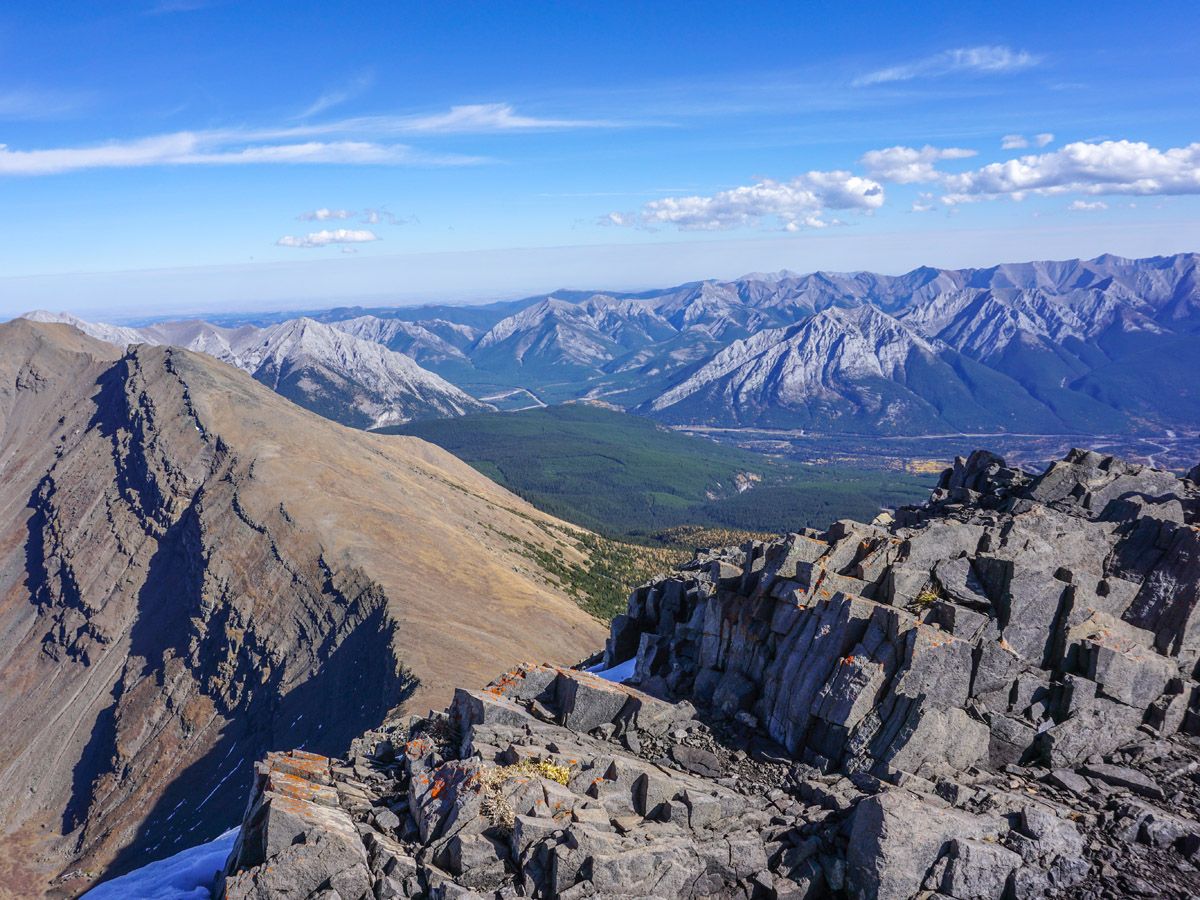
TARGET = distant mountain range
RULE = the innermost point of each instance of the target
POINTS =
(1108, 345)
(331, 371)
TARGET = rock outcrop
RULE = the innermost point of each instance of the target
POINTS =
(994, 695)
(194, 571)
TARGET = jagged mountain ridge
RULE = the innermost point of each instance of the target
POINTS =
(194, 570)
(847, 363)
(1101, 346)
(1084, 339)
(332, 371)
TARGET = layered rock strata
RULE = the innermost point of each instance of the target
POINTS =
(194, 571)
(992, 696)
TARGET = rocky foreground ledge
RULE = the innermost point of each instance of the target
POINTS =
(994, 695)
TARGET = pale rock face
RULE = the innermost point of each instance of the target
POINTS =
(110, 334)
(435, 340)
(790, 365)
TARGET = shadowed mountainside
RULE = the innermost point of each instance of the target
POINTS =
(194, 571)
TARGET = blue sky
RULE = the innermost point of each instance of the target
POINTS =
(170, 155)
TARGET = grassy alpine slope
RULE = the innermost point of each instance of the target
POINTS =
(627, 477)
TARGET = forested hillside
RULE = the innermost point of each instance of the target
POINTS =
(626, 476)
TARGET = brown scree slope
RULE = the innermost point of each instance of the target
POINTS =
(194, 571)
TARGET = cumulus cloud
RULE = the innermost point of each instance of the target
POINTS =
(1087, 205)
(791, 205)
(1020, 142)
(985, 60)
(324, 214)
(326, 237)
(1104, 167)
(908, 165)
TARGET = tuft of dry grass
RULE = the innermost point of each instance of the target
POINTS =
(491, 782)
(925, 598)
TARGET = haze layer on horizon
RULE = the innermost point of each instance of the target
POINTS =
(187, 156)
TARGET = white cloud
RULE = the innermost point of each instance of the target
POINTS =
(338, 96)
(214, 148)
(32, 104)
(1105, 167)
(347, 143)
(368, 216)
(923, 203)
(987, 60)
(793, 204)
(324, 214)
(1020, 142)
(1087, 205)
(907, 165)
(375, 216)
(325, 237)
(478, 117)
(166, 7)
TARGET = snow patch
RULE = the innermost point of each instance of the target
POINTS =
(188, 875)
(618, 673)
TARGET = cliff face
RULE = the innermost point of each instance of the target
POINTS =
(193, 572)
(993, 696)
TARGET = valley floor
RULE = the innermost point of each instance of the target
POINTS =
(925, 453)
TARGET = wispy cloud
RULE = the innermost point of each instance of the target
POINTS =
(326, 237)
(324, 215)
(984, 60)
(1105, 167)
(1020, 142)
(923, 203)
(369, 216)
(197, 148)
(338, 96)
(790, 205)
(375, 216)
(353, 141)
(1087, 205)
(167, 7)
(481, 117)
(909, 165)
(33, 103)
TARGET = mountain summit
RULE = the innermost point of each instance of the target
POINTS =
(194, 571)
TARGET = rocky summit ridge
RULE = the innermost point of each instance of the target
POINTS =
(194, 571)
(991, 695)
